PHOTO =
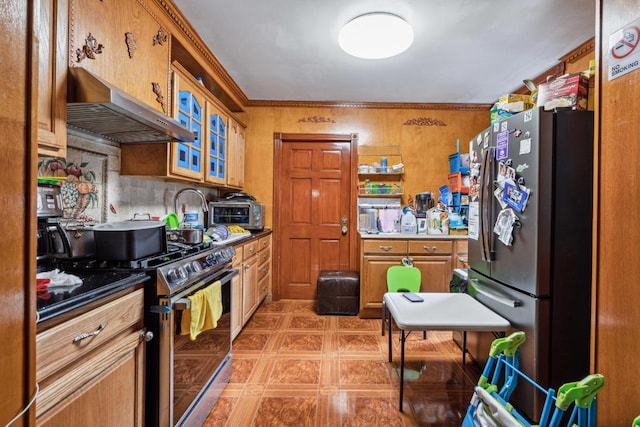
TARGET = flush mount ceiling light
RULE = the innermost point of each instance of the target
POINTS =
(376, 35)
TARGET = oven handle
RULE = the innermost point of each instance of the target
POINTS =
(180, 297)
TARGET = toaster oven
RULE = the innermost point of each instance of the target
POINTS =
(247, 214)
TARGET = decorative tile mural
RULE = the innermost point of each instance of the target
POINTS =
(83, 183)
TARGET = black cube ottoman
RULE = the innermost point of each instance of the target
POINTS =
(338, 292)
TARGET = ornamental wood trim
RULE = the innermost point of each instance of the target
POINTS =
(379, 105)
(580, 52)
(186, 30)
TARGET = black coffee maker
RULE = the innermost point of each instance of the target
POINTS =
(424, 202)
(53, 240)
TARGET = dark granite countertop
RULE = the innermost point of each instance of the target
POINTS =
(96, 284)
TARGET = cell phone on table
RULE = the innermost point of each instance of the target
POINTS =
(412, 297)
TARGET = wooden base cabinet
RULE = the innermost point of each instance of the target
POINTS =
(249, 280)
(432, 257)
(237, 321)
(97, 380)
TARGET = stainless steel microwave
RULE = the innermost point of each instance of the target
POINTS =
(247, 214)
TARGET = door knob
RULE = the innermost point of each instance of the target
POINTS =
(345, 228)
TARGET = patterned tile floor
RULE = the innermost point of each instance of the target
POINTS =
(292, 367)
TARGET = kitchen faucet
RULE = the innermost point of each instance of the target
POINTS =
(205, 208)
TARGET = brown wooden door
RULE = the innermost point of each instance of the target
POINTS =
(313, 195)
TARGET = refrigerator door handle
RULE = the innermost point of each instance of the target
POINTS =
(485, 203)
(494, 296)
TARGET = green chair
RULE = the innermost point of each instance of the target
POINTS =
(403, 278)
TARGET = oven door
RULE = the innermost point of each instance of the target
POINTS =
(194, 373)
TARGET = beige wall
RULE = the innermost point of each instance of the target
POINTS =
(425, 149)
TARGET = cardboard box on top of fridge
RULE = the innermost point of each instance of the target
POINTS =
(570, 90)
(514, 103)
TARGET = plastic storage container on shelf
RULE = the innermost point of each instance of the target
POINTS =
(458, 183)
(459, 163)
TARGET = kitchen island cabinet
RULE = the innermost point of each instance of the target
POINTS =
(432, 255)
(90, 368)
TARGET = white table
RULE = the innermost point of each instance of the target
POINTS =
(438, 312)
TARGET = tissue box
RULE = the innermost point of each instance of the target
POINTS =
(570, 90)
(514, 103)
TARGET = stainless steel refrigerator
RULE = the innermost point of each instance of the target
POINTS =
(530, 219)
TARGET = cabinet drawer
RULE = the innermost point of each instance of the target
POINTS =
(250, 249)
(430, 247)
(264, 242)
(55, 347)
(263, 270)
(264, 256)
(462, 246)
(384, 246)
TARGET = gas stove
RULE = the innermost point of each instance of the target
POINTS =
(180, 273)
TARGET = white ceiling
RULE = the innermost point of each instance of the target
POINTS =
(465, 51)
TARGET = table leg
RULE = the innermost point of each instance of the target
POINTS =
(402, 369)
(390, 338)
(464, 347)
(384, 314)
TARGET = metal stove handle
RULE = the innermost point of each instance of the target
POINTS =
(182, 304)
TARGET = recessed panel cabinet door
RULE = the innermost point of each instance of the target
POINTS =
(124, 43)
(51, 27)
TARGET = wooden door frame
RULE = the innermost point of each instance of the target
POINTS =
(278, 140)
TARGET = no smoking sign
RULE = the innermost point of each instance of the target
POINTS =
(624, 53)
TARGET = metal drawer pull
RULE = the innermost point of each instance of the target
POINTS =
(91, 334)
(386, 248)
(431, 249)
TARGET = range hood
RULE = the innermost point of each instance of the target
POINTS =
(101, 109)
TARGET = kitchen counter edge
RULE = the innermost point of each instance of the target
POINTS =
(412, 236)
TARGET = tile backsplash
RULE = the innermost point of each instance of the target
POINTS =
(94, 188)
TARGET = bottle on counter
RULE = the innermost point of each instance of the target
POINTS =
(409, 223)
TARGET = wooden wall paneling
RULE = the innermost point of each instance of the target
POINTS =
(425, 149)
(18, 139)
(616, 292)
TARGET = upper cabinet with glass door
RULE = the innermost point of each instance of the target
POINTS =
(187, 158)
(217, 141)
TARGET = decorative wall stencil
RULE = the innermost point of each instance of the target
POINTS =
(83, 190)
(90, 49)
(424, 121)
(160, 38)
(130, 39)
(159, 96)
(316, 119)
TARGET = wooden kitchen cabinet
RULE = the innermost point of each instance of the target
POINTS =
(97, 380)
(264, 267)
(236, 295)
(432, 256)
(125, 43)
(237, 142)
(216, 143)
(461, 257)
(53, 55)
(207, 159)
(249, 280)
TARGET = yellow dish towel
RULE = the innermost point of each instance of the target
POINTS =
(206, 309)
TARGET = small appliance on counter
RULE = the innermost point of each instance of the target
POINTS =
(240, 209)
(424, 202)
(52, 239)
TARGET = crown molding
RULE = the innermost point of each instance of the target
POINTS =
(372, 105)
(198, 44)
(580, 52)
